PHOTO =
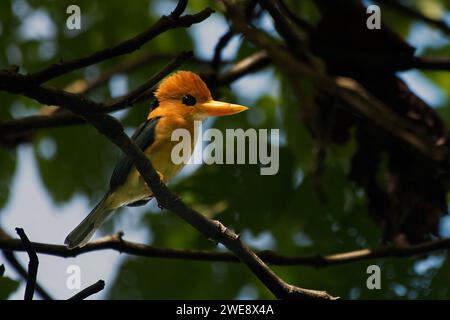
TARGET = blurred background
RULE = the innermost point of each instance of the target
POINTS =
(50, 181)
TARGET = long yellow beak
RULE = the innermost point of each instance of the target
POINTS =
(218, 108)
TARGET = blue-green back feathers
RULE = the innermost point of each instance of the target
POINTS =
(143, 137)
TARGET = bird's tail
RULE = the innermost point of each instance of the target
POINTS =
(84, 231)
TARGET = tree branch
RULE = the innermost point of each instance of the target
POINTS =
(430, 63)
(116, 243)
(441, 25)
(220, 46)
(162, 25)
(16, 83)
(248, 65)
(32, 265)
(12, 260)
(130, 98)
(89, 291)
(356, 98)
(131, 65)
(65, 118)
(17, 266)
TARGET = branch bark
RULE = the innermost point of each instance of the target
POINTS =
(162, 25)
(89, 291)
(246, 66)
(116, 243)
(12, 261)
(32, 265)
(439, 24)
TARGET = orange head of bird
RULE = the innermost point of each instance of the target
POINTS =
(185, 94)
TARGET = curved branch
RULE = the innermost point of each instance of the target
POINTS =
(220, 46)
(162, 25)
(32, 265)
(441, 25)
(12, 260)
(248, 65)
(17, 266)
(65, 118)
(116, 243)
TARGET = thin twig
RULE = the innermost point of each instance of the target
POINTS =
(220, 46)
(163, 24)
(11, 258)
(13, 262)
(65, 118)
(439, 24)
(131, 65)
(134, 95)
(89, 291)
(296, 19)
(179, 9)
(32, 265)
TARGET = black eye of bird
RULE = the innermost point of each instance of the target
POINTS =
(189, 100)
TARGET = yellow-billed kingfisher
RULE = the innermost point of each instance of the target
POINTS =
(181, 100)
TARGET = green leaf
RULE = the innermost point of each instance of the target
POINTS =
(7, 287)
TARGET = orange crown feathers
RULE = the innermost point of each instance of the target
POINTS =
(180, 83)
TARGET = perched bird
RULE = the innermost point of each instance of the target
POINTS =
(181, 99)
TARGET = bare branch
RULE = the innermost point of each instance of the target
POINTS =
(430, 63)
(12, 260)
(441, 25)
(134, 95)
(131, 65)
(17, 266)
(116, 243)
(162, 25)
(179, 9)
(66, 118)
(221, 44)
(89, 291)
(248, 65)
(32, 265)
(292, 16)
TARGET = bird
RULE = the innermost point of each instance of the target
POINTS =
(182, 100)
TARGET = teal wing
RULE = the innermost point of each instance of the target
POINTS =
(143, 137)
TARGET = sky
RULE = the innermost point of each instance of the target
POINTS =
(43, 221)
